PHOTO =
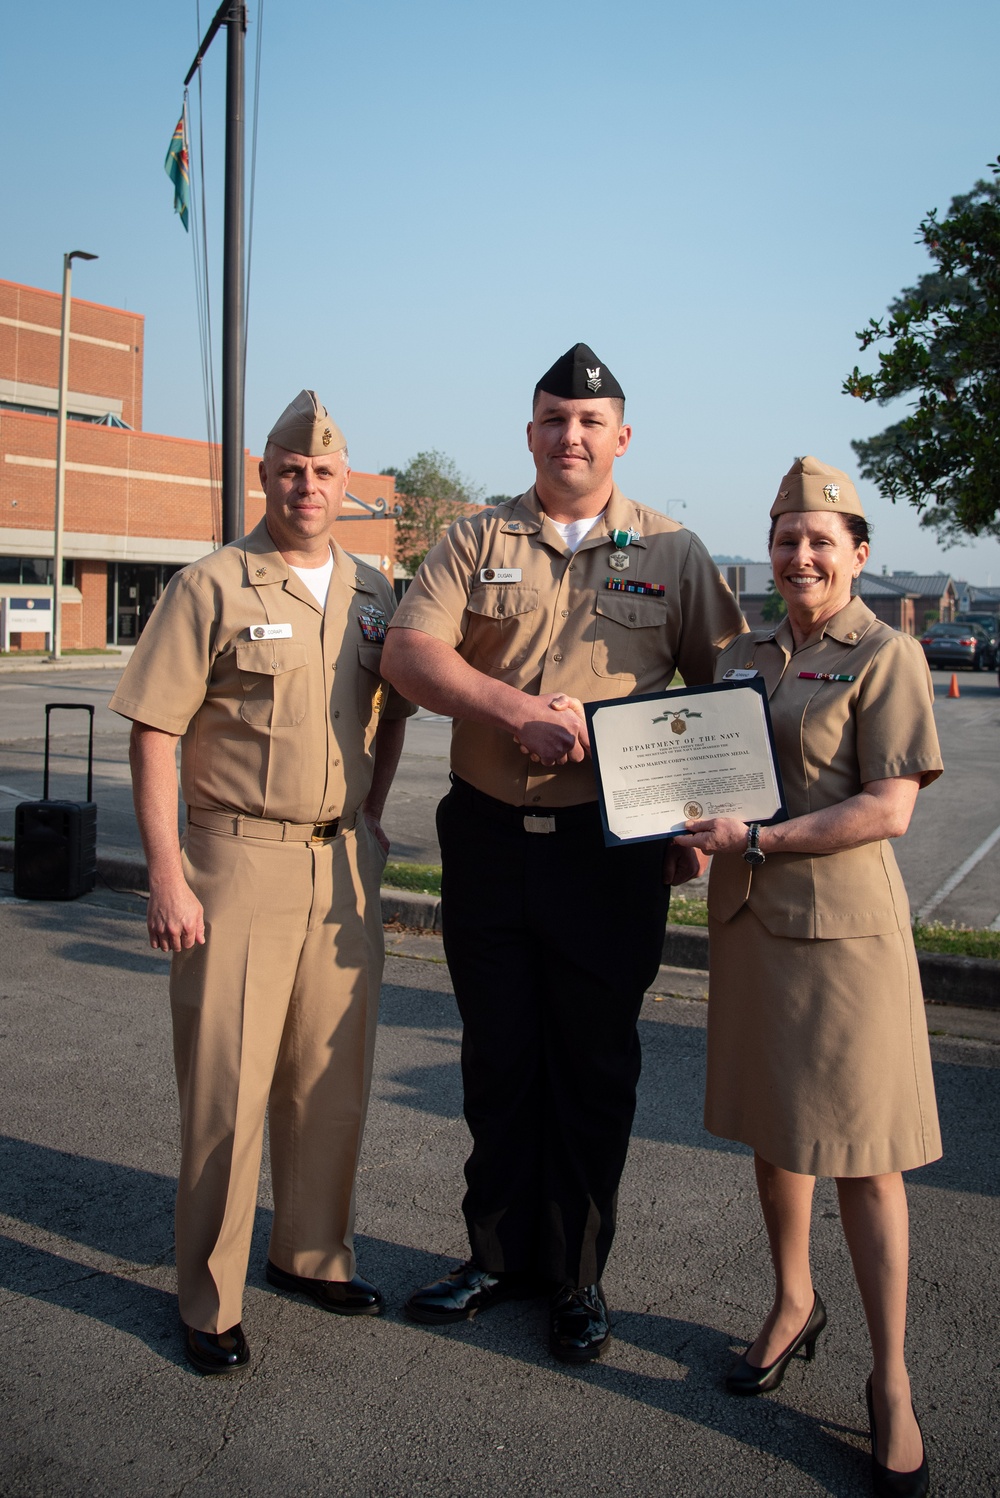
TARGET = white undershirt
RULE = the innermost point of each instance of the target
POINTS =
(316, 579)
(574, 531)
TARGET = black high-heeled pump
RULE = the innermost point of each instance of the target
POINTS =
(744, 1378)
(886, 1482)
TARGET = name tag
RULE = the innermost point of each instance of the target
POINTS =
(735, 674)
(500, 575)
(270, 631)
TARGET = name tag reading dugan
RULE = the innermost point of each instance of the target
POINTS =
(670, 757)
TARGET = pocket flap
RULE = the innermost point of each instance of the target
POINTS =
(370, 657)
(633, 610)
(501, 601)
(270, 657)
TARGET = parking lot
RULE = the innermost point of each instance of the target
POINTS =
(950, 857)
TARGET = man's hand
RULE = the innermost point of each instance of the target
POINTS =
(682, 864)
(376, 829)
(556, 731)
(175, 919)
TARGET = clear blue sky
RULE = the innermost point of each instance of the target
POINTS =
(715, 197)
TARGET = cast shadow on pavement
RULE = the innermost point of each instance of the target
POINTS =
(672, 1085)
(126, 1214)
(689, 1388)
(140, 1311)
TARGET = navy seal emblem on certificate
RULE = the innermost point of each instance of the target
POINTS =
(659, 756)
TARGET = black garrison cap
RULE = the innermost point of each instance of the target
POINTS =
(579, 375)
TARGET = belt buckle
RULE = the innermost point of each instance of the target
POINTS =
(534, 823)
(323, 831)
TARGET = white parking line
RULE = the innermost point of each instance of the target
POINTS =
(8, 790)
(955, 879)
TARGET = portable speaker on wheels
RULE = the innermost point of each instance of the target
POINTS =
(55, 842)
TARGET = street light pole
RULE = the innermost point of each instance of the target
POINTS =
(57, 565)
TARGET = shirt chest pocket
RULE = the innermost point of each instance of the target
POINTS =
(501, 622)
(370, 689)
(275, 682)
(629, 635)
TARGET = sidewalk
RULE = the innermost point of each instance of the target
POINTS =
(97, 1398)
(116, 661)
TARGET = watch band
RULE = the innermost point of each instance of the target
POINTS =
(752, 854)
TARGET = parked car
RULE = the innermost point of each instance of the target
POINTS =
(958, 645)
(988, 622)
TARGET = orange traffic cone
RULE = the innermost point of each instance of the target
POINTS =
(953, 689)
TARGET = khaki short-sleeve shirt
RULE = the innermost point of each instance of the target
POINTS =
(833, 737)
(276, 701)
(504, 590)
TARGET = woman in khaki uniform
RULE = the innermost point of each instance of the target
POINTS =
(817, 1041)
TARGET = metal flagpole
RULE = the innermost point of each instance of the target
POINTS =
(233, 15)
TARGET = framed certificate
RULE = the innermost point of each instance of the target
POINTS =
(670, 757)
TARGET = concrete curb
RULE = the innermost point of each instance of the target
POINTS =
(67, 663)
(971, 982)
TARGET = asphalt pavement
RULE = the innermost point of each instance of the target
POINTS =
(97, 1398)
(950, 857)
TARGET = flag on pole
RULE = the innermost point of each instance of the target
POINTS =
(176, 168)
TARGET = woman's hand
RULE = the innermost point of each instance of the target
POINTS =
(716, 835)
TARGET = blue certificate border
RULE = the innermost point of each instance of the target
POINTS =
(754, 684)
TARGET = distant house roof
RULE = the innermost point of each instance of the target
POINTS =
(926, 584)
(870, 585)
(982, 595)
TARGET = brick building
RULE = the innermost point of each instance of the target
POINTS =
(139, 505)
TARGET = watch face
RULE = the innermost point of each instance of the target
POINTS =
(754, 856)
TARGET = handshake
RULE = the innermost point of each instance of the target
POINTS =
(553, 730)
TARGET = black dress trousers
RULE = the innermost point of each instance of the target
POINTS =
(552, 939)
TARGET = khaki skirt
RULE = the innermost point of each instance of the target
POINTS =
(818, 1055)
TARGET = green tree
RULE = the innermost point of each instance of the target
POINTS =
(944, 347)
(432, 493)
(774, 608)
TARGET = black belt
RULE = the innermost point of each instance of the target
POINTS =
(535, 819)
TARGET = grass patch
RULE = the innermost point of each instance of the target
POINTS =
(688, 911)
(956, 941)
(420, 878)
(953, 941)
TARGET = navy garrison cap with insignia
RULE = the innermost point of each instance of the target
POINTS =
(580, 375)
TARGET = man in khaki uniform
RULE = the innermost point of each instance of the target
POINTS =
(570, 592)
(264, 661)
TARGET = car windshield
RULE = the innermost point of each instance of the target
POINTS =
(952, 629)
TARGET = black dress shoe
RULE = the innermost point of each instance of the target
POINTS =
(886, 1481)
(354, 1297)
(579, 1329)
(465, 1292)
(747, 1378)
(216, 1352)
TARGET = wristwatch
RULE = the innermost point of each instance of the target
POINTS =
(753, 855)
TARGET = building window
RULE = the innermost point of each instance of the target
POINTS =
(34, 571)
(28, 570)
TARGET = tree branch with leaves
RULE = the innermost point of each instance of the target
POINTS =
(432, 493)
(944, 347)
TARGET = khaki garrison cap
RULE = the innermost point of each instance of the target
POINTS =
(307, 427)
(812, 485)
